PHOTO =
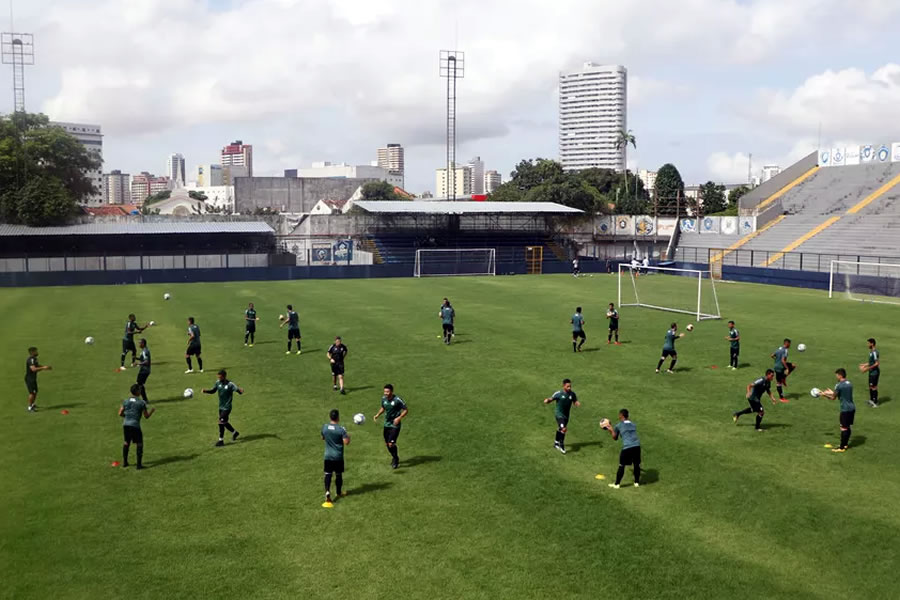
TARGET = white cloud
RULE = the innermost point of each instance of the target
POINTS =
(733, 167)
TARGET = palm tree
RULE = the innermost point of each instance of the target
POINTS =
(623, 138)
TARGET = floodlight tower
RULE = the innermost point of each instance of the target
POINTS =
(17, 49)
(452, 67)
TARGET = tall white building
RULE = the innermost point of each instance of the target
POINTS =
(391, 159)
(768, 172)
(91, 137)
(209, 175)
(476, 165)
(463, 182)
(116, 187)
(492, 181)
(648, 178)
(592, 112)
(344, 171)
(175, 169)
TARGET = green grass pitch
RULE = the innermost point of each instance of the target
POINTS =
(482, 506)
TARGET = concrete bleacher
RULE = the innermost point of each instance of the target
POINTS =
(837, 189)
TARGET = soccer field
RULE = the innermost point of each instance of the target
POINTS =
(482, 506)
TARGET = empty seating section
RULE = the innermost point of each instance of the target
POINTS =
(399, 248)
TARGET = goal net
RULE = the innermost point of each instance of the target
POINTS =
(865, 281)
(459, 261)
(688, 291)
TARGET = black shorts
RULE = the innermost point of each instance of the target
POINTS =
(251, 326)
(334, 466)
(667, 353)
(847, 418)
(735, 351)
(613, 326)
(193, 350)
(447, 327)
(562, 422)
(293, 334)
(391, 434)
(630, 456)
(142, 376)
(781, 376)
(133, 434)
(128, 346)
(873, 378)
(223, 416)
(578, 334)
(337, 368)
(31, 386)
(755, 404)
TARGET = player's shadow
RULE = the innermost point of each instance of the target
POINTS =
(776, 425)
(622, 343)
(884, 400)
(159, 363)
(793, 396)
(579, 445)
(168, 400)
(258, 436)
(857, 440)
(415, 461)
(589, 350)
(649, 476)
(454, 342)
(370, 487)
(683, 369)
(265, 342)
(61, 406)
(168, 460)
(359, 388)
(744, 365)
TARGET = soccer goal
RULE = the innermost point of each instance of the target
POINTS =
(688, 291)
(865, 281)
(457, 261)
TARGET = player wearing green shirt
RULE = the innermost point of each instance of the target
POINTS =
(131, 411)
(873, 368)
(782, 367)
(564, 399)
(755, 391)
(32, 368)
(631, 447)
(395, 411)
(734, 340)
(193, 347)
(843, 392)
(335, 438)
(577, 322)
(292, 320)
(131, 327)
(226, 390)
(144, 371)
(613, 315)
(668, 348)
(447, 316)
(250, 319)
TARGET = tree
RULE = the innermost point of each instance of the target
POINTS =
(668, 190)
(43, 202)
(529, 174)
(623, 138)
(195, 195)
(506, 192)
(158, 197)
(712, 198)
(634, 202)
(379, 190)
(735, 195)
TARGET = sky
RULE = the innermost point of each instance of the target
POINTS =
(710, 82)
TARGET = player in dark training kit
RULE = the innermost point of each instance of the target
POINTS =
(292, 320)
(613, 315)
(755, 392)
(564, 399)
(193, 347)
(144, 371)
(335, 438)
(336, 355)
(226, 390)
(250, 328)
(577, 322)
(734, 337)
(395, 411)
(131, 411)
(668, 348)
(131, 327)
(782, 367)
(631, 447)
(873, 368)
(447, 315)
(32, 368)
(843, 391)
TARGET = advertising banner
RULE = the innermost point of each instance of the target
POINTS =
(895, 152)
(643, 225)
(851, 157)
(342, 251)
(867, 153)
(837, 157)
(825, 158)
(321, 253)
(748, 225)
(624, 225)
(688, 225)
(883, 154)
(710, 225)
(603, 225)
(729, 225)
(666, 227)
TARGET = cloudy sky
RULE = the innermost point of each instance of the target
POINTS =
(710, 81)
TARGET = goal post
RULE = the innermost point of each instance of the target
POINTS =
(445, 262)
(687, 291)
(865, 281)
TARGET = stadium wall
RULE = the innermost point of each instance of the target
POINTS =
(751, 199)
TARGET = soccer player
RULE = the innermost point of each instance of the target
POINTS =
(395, 411)
(336, 355)
(292, 320)
(226, 390)
(144, 371)
(335, 438)
(193, 347)
(250, 329)
(873, 368)
(132, 410)
(783, 368)
(447, 313)
(734, 336)
(668, 348)
(613, 315)
(755, 391)
(843, 391)
(577, 322)
(575, 269)
(631, 447)
(564, 399)
(131, 327)
(32, 368)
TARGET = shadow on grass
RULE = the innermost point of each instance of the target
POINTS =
(683, 369)
(359, 388)
(589, 350)
(420, 460)
(621, 343)
(61, 406)
(454, 342)
(884, 400)
(579, 445)
(776, 425)
(648, 476)
(857, 441)
(168, 400)
(744, 365)
(168, 460)
(266, 342)
(369, 487)
(257, 436)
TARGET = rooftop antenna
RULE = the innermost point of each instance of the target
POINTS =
(17, 49)
(452, 67)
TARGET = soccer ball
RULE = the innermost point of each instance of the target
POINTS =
(815, 392)
(604, 423)
(801, 347)
(152, 323)
(188, 393)
(166, 296)
(281, 317)
(690, 327)
(88, 340)
(359, 418)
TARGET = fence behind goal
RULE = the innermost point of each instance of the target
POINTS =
(461, 261)
(687, 291)
(865, 281)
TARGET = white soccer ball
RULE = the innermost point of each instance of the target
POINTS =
(815, 392)
(281, 317)
(166, 296)
(188, 393)
(690, 327)
(801, 347)
(88, 340)
(359, 418)
(152, 323)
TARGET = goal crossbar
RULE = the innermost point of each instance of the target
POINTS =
(448, 262)
(633, 274)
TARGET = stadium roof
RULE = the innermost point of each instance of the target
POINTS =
(199, 227)
(463, 207)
